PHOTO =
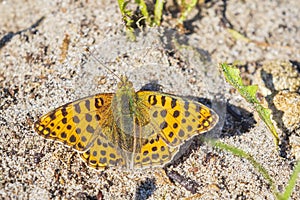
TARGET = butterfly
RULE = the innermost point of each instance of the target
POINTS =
(128, 129)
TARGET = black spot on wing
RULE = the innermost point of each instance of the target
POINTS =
(163, 100)
(87, 105)
(173, 103)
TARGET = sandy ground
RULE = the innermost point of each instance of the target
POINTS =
(44, 65)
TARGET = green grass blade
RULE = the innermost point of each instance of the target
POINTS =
(240, 153)
(243, 154)
(127, 18)
(122, 6)
(144, 10)
(232, 76)
(291, 184)
(186, 9)
(158, 8)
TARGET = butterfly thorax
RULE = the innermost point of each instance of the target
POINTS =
(123, 104)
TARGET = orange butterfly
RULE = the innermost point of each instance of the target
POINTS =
(128, 129)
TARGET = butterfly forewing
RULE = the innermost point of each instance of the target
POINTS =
(177, 119)
(76, 124)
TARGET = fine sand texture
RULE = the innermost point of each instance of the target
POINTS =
(44, 64)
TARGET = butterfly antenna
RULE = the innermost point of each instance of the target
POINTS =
(98, 60)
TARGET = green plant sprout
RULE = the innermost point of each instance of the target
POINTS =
(152, 19)
(127, 18)
(186, 8)
(232, 76)
(158, 8)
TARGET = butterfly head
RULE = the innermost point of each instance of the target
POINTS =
(124, 82)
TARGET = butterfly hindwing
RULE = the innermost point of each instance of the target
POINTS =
(103, 154)
(154, 152)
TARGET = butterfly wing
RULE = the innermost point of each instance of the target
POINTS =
(82, 125)
(103, 153)
(176, 119)
(154, 152)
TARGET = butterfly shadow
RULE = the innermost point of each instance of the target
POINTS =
(145, 189)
